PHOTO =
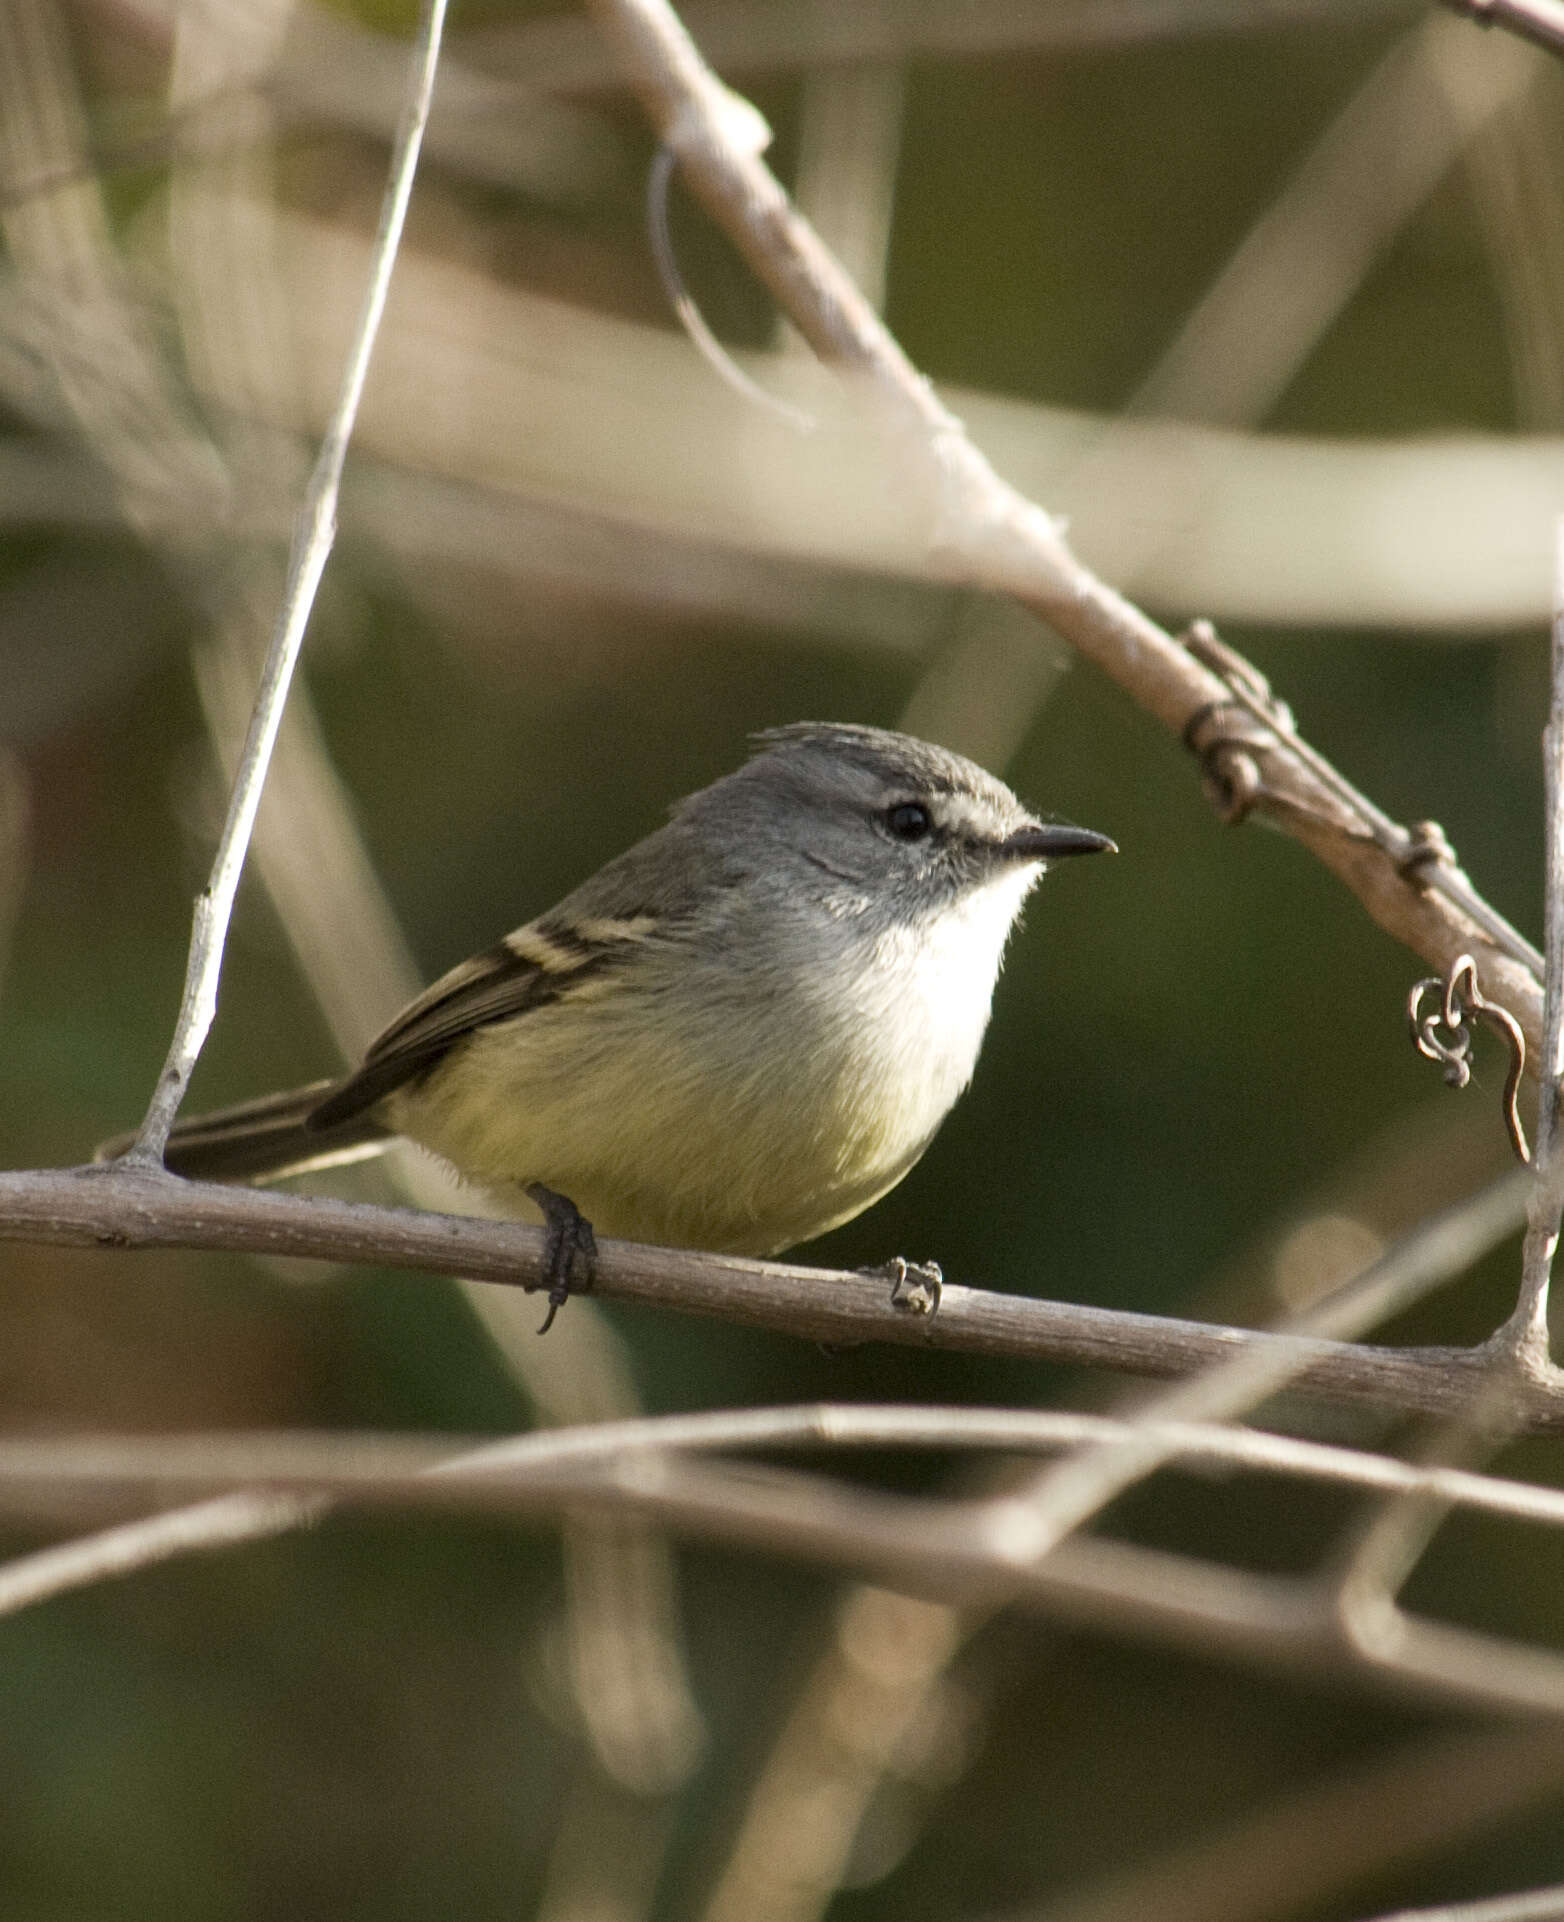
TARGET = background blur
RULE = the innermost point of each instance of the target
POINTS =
(1270, 302)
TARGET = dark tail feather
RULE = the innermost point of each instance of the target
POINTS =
(264, 1139)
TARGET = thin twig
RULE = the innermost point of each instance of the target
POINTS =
(850, 116)
(225, 1521)
(1526, 1332)
(1420, 107)
(658, 180)
(117, 1206)
(312, 546)
(1243, 342)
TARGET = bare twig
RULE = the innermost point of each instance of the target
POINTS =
(72, 309)
(875, 1681)
(659, 179)
(849, 146)
(1526, 1333)
(125, 1207)
(965, 1554)
(1515, 175)
(1242, 343)
(1247, 526)
(311, 548)
(951, 1551)
(1303, 259)
(223, 1522)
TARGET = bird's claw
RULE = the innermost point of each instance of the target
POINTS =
(916, 1286)
(569, 1239)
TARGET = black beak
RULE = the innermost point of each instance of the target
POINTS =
(1052, 841)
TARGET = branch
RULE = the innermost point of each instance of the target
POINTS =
(967, 1553)
(1527, 1329)
(115, 1205)
(521, 1475)
(202, 1529)
(1068, 1495)
(313, 539)
(988, 535)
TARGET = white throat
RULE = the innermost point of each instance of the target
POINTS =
(928, 994)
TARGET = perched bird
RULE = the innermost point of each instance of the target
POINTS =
(737, 1034)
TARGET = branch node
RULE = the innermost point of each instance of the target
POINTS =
(1519, 1349)
(1225, 735)
(739, 122)
(1427, 845)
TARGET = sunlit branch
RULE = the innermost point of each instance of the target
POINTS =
(116, 1206)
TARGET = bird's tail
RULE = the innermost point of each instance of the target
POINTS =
(263, 1140)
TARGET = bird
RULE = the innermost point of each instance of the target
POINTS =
(737, 1034)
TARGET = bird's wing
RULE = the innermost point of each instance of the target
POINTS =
(593, 930)
(528, 969)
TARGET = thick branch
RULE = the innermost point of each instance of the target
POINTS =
(117, 1206)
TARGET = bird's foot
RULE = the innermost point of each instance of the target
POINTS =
(569, 1240)
(916, 1286)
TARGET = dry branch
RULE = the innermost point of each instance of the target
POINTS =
(966, 1553)
(121, 1207)
(516, 1476)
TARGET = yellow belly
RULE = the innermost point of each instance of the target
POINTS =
(725, 1112)
(651, 1146)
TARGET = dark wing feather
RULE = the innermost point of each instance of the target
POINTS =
(497, 985)
(592, 930)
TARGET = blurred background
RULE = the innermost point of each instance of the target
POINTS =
(1270, 303)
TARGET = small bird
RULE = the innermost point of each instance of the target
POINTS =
(734, 1036)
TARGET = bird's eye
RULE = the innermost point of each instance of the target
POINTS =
(909, 820)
